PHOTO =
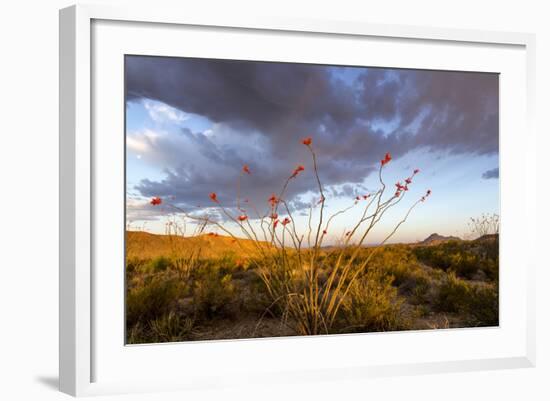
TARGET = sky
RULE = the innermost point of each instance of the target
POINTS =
(192, 124)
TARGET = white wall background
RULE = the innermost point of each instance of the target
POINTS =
(29, 196)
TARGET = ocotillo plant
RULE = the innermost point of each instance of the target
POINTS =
(289, 263)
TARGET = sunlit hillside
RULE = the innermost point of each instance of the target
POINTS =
(141, 244)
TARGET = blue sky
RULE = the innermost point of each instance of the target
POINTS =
(192, 124)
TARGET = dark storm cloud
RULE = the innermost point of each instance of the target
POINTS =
(257, 95)
(190, 184)
(489, 174)
(461, 111)
(354, 121)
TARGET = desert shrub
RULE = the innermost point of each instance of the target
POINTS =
(253, 295)
(435, 256)
(171, 327)
(147, 302)
(373, 305)
(487, 247)
(410, 278)
(420, 292)
(464, 258)
(464, 264)
(478, 302)
(422, 310)
(213, 292)
(143, 268)
(133, 265)
(136, 334)
(166, 328)
(483, 306)
(453, 294)
(159, 264)
(490, 268)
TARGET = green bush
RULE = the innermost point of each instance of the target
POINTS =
(453, 294)
(133, 265)
(410, 278)
(213, 293)
(465, 258)
(373, 305)
(171, 327)
(151, 300)
(464, 264)
(253, 296)
(478, 302)
(483, 306)
(490, 268)
(136, 334)
(159, 264)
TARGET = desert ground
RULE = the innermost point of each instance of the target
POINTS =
(211, 287)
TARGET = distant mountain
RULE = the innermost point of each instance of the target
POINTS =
(435, 239)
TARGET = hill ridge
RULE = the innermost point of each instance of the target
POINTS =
(436, 238)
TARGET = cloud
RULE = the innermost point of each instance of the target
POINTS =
(141, 210)
(259, 111)
(459, 109)
(141, 142)
(161, 112)
(489, 174)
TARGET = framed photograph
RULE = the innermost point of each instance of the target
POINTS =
(265, 199)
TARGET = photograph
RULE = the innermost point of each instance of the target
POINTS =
(273, 199)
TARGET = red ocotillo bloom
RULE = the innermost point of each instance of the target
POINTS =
(242, 217)
(416, 171)
(307, 141)
(386, 159)
(273, 200)
(285, 221)
(246, 169)
(297, 171)
(214, 197)
(275, 223)
(156, 201)
(428, 193)
(274, 216)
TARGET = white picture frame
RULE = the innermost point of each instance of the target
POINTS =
(79, 154)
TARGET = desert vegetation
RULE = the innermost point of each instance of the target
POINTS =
(252, 273)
